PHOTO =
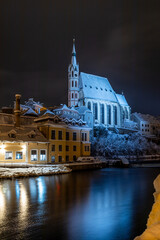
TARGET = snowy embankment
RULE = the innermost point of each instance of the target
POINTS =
(32, 171)
(153, 224)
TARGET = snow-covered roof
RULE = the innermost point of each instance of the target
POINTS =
(97, 87)
(146, 117)
(30, 111)
(82, 109)
(24, 134)
(122, 100)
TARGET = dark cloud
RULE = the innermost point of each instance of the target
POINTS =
(118, 39)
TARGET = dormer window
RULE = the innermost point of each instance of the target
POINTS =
(12, 135)
(85, 85)
(96, 87)
(90, 86)
(101, 88)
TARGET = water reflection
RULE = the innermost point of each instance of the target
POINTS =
(103, 204)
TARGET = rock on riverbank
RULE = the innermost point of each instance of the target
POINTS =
(153, 224)
(32, 171)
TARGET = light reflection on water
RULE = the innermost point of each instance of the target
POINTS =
(104, 204)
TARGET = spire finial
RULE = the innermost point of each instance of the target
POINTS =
(74, 49)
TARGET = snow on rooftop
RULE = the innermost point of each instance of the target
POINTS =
(122, 100)
(146, 117)
(82, 109)
(97, 87)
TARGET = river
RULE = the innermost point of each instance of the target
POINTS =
(109, 204)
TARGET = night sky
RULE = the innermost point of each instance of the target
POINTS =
(118, 39)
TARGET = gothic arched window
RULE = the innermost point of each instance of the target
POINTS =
(89, 105)
(102, 113)
(72, 74)
(108, 114)
(126, 113)
(115, 115)
(95, 111)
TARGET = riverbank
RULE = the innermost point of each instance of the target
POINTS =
(32, 171)
(15, 170)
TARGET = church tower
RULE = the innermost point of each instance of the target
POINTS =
(73, 79)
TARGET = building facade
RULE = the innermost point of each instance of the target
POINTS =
(96, 93)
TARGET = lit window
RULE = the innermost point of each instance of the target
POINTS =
(19, 155)
(43, 155)
(8, 155)
(34, 155)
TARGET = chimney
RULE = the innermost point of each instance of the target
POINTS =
(17, 111)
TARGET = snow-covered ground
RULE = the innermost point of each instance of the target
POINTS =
(153, 224)
(32, 171)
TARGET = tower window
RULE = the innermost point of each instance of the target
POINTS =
(75, 95)
(75, 83)
(72, 95)
(72, 84)
(72, 73)
(75, 74)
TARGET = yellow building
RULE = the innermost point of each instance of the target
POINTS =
(24, 144)
(68, 139)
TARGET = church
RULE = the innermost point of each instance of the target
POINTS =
(96, 93)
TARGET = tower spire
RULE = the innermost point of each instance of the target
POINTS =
(73, 60)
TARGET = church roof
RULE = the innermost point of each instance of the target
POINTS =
(82, 109)
(122, 100)
(97, 87)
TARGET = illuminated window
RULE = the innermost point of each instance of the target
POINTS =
(67, 135)
(19, 155)
(53, 148)
(43, 155)
(74, 136)
(60, 148)
(8, 155)
(60, 135)
(74, 148)
(34, 155)
(53, 134)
